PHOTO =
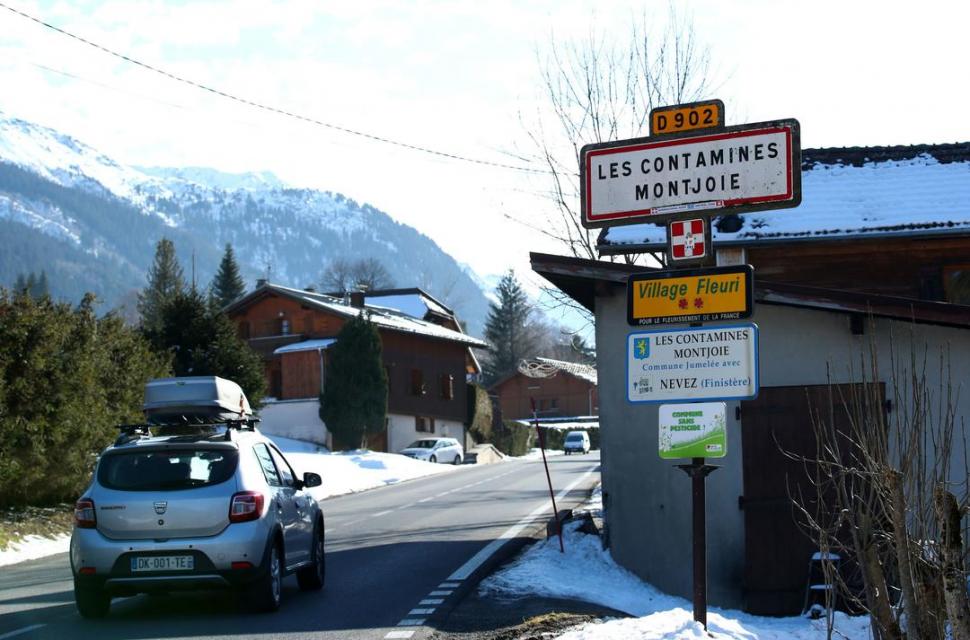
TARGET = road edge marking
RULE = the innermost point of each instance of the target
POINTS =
(477, 560)
(23, 630)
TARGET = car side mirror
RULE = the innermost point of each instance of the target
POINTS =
(312, 480)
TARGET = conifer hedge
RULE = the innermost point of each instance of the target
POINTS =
(67, 377)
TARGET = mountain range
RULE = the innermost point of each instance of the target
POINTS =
(91, 224)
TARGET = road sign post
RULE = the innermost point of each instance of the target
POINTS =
(690, 169)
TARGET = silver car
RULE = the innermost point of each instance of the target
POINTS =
(208, 508)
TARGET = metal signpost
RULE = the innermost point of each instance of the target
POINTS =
(691, 167)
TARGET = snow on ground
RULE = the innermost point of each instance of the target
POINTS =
(587, 572)
(33, 547)
(353, 471)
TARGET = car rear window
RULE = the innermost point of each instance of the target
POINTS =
(169, 469)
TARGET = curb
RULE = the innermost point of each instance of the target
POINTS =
(507, 551)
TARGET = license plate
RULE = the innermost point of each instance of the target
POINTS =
(162, 563)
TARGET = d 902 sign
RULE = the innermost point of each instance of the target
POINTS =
(687, 117)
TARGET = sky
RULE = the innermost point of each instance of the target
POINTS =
(461, 77)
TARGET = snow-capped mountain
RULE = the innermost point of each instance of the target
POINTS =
(92, 223)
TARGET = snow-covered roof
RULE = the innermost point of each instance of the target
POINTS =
(413, 302)
(583, 371)
(306, 345)
(382, 317)
(569, 423)
(860, 192)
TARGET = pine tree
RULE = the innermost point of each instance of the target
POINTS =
(41, 288)
(354, 400)
(508, 329)
(202, 341)
(165, 280)
(227, 285)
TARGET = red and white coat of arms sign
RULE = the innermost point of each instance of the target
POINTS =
(687, 239)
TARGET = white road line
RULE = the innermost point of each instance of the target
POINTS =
(449, 585)
(421, 612)
(434, 601)
(401, 635)
(479, 558)
(411, 622)
(407, 506)
(382, 513)
(426, 499)
(441, 592)
(17, 632)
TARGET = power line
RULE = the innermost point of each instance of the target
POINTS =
(263, 106)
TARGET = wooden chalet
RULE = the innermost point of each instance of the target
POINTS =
(566, 389)
(427, 356)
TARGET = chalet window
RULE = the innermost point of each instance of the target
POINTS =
(447, 386)
(284, 327)
(243, 330)
(424, 424)
(417, 383)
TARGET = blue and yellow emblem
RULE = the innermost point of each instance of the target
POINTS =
(641, 348)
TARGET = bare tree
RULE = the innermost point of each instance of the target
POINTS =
(603, 88)
(344, 274)
(885, 494)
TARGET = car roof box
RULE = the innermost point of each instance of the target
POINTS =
(195, 399)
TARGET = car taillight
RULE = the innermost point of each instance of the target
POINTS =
(245, 506)
(84, 516)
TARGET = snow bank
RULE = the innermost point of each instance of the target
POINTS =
(586, 572)
(33, 547)
(353, 471)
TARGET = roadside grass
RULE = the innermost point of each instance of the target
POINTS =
(18, 522)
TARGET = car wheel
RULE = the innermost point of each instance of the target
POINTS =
(311, 578)
(457, 460)
(266, 593)
(91, 603)
(433, 459)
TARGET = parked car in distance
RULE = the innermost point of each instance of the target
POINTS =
(444, 450)
(576, 441)
(189, 507)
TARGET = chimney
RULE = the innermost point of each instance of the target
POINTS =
(357, 299)
(260, 282)
(311, 289)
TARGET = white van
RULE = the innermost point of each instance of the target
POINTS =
(577, 441)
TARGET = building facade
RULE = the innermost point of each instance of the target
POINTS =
(427, 360)
(871, 268)
(564, 389)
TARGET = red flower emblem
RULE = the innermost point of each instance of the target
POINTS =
(698, 302)
(683, 303)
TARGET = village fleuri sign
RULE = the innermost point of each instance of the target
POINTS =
(697, 430)
(689, 295)
(749, 167)
(693, 364)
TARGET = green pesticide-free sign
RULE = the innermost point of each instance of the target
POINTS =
(696, 430)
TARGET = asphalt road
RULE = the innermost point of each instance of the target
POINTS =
(395, 557)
